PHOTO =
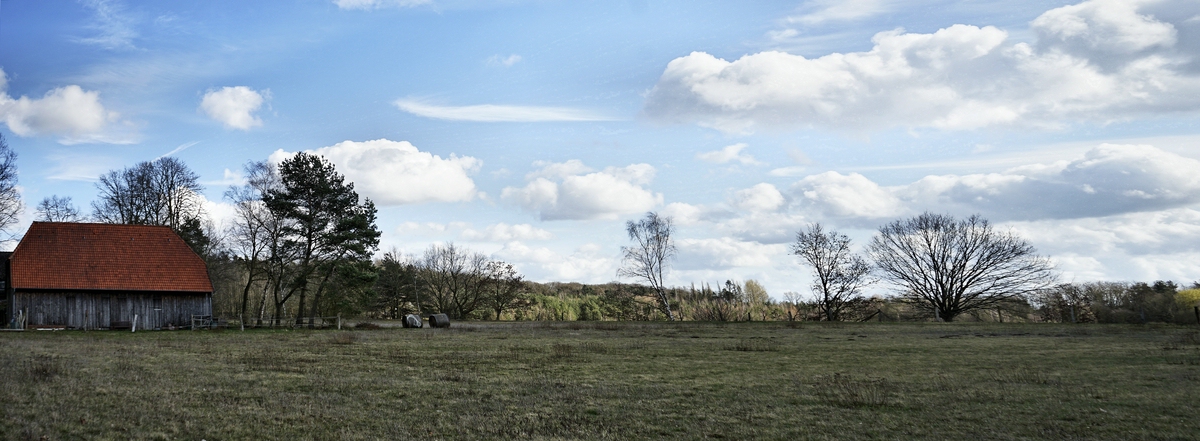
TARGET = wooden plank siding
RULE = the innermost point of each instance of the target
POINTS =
(98, 310)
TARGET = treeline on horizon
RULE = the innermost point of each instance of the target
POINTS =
(301, 244)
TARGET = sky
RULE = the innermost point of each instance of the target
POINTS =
(531, 131)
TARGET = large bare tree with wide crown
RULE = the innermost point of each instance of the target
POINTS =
(950, 266)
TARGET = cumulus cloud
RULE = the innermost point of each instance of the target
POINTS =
(70, 112)
(499, 113)
(761, 197)
(397, 173)
(846, 196)
(503, 232)
(1099, 61)
(234, 106)
(572, 191)
(1107, 180)
(377, 4)
(589, 263)
(1134, 246)
(726, 252)
(728, 154)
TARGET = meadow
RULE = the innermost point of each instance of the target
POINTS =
(608, 380)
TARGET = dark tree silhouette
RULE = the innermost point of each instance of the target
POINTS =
(57, 209)
(949, 267)
(838, 274)
(160, 192)
(322, 222)
(10, 199)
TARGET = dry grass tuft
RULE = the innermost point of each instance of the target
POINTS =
(852, 391)
(753, 345)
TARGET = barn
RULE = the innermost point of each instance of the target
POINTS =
(102, 276)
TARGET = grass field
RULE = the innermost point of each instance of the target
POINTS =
(606, 380)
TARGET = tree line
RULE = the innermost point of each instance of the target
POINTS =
(302, 245)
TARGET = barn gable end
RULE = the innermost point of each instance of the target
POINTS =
(95, 276)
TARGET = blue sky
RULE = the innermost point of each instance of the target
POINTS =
(532, 130)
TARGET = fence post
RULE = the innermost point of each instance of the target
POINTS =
(134, 327)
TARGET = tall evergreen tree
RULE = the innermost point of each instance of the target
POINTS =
(324, 223)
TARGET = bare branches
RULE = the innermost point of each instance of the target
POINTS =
(838, 274)
(160, 192)
(10, 198)
(57, 209)
(650, 255)
(951, 267)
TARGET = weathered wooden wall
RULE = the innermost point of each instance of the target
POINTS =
(90, 310)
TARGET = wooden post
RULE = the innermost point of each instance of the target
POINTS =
(134, 327)
(339, 321)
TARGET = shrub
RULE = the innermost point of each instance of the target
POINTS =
(1188, 298)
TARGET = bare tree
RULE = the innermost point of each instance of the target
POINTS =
(254, 230)
(838, 273)
(949, 267)
(160, 192)
(57, 209)
(451, 277)
(650, 255)
(10, 199)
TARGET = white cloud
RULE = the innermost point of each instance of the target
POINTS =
(726, 252)
(683, 213)
(1108, 179)
(1091, 63)
(70, 112)
(728, 154)
(761, 197)
(1104, 26)
(570, 191)
(846, 196)
(397, 173)
(1132, 246)
(431, 228)
(377, 4)
(503, 232)
(234, 106)
(587, 264)
(822, 11)
(220, 212)
(498, 60)
(499, 113)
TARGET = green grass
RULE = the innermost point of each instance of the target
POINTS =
(608, 381)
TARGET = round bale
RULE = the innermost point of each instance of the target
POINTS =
(439, 321)
(413, 321)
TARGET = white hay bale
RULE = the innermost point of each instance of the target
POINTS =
(413, 321)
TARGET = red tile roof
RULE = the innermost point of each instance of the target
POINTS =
(76, 256)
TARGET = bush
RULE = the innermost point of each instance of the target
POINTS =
(1188, 298)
